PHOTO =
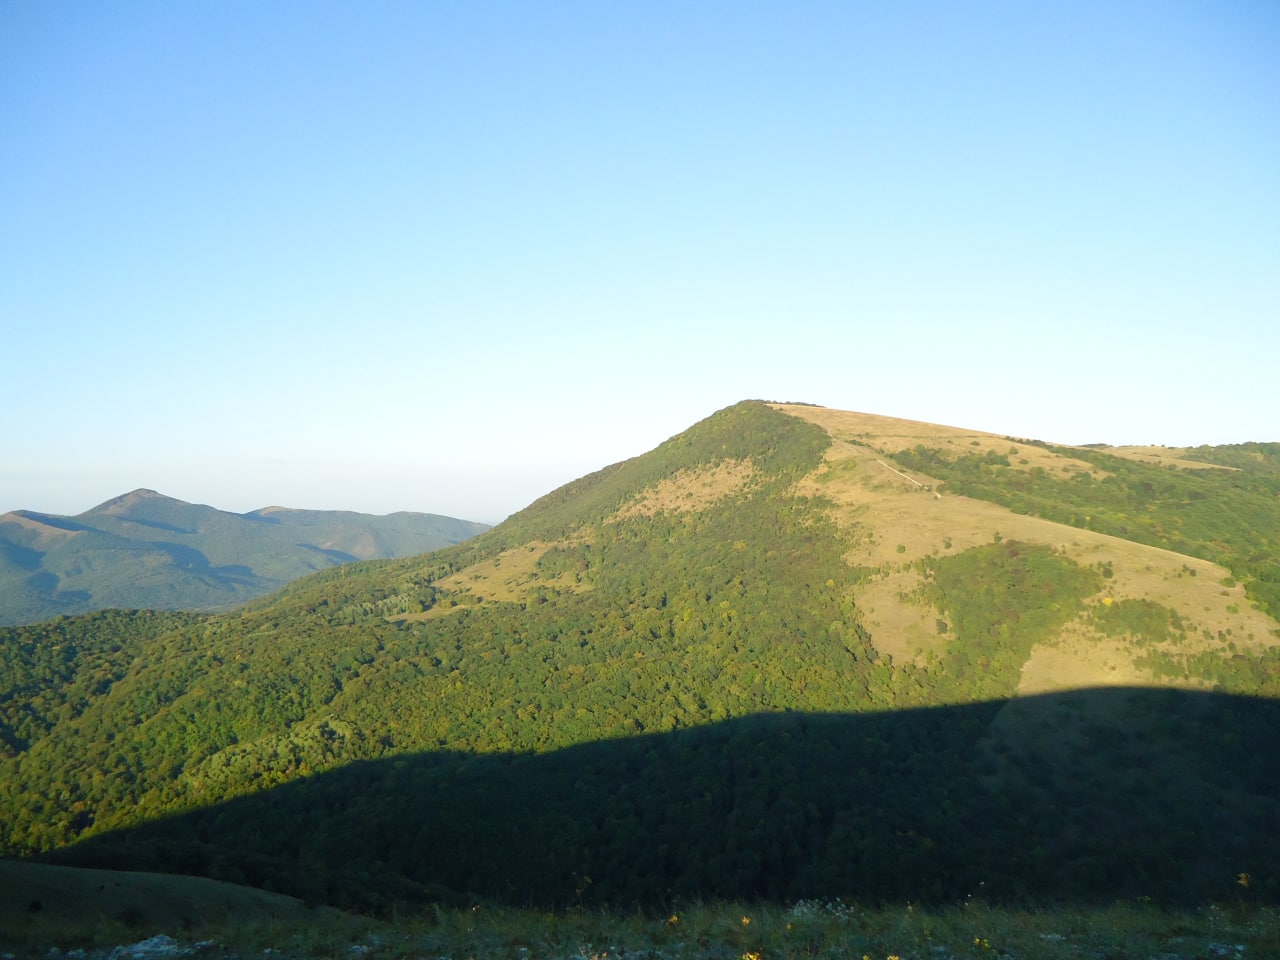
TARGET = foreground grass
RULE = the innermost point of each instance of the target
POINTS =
(809, 930)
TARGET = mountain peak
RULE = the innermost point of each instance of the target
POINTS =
(125, 500)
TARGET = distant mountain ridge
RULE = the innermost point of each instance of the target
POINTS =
(144, 550)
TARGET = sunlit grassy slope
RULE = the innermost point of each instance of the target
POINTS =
(898, 515)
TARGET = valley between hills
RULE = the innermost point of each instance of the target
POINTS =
(791, 653)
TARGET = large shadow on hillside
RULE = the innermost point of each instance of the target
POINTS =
(1069, 798)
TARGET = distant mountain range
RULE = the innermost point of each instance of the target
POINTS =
(144, 550)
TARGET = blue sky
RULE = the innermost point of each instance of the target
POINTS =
(447, 256)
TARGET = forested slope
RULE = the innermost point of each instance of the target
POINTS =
(755, 661)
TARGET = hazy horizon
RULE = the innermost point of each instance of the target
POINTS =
(441, 258)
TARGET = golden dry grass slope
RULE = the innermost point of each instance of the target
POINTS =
(894, 519)
(513, 574)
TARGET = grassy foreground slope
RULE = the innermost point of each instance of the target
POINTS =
(764, 660)
(49, 906)
(98, 914)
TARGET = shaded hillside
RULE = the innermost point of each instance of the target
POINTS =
(144, 550)
(71, 906)
(924, 806)
(768, 564)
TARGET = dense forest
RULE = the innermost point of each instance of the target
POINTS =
(920, 805)
(669, 698)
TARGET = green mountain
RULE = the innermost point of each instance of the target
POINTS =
(144, 550)
(782, 655)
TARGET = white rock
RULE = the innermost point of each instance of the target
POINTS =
(158, 946)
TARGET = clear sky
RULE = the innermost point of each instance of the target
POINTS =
(447, 256)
